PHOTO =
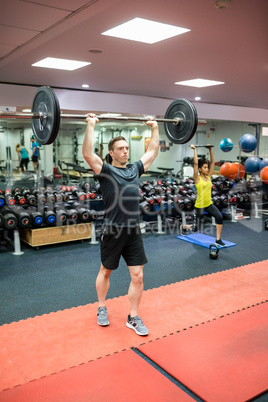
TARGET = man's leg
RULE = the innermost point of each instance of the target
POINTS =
(102, 287)
(135, 288)
(103, 284)
(134, 294)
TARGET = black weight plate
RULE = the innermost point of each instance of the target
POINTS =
(185, 130)
(46, 102)
(57, 122)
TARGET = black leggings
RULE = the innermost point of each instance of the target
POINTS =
(24, 162)
(212, 210)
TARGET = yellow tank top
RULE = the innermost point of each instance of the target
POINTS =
(203, 193)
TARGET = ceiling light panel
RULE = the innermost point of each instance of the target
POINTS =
(199, 83)
(60, 64)
(146, 31)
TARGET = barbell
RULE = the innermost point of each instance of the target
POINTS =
(180, 120)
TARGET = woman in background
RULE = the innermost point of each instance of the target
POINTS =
(23, 155)
(203, 171)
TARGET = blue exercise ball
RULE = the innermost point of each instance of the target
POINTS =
(226, 145)
(263, 163)
(252, 164)
(248, 143)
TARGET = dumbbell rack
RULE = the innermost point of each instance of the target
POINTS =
(56, 234)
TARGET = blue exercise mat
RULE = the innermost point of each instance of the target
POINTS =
(203, 240)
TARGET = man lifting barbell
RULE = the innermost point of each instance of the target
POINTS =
(203, 171)
(121, 235)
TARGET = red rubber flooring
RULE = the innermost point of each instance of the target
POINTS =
(223, 360)
(121, 377)
(45, 345)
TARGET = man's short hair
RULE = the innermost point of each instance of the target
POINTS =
(113, 140)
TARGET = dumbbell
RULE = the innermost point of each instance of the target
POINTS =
(2, 201)
(79, 194)
(192, 196)
(164, 205)
(29, 197)
(58, 196)
(216, 200)
(141, 195)
(86, 187)
(41, 199)
(167, 190)
(20, 199)
(185, 203)
(229, 183)
(36, 217)
(50, 196)
(157, 199)
(174, 197)
(84, 214)
(60, 188)
(93, 215)
(23, 217)
(72, 215)
(246, 197)
(25, 190)
(231, 198)
(49, 217)
(240, 198)
(224, 200)
(180, 189)
(147, 188)
(217, 184)
(10, 199)
(10, 220)
(97, 188)
(145, 207)
(16, 190)
(190, 181)
(61, 215)
(171, 205)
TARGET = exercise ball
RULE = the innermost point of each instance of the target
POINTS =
(242, 172)
(252, 164)
(263, 163)
(226, 145)
(264, 175)
(227, 169)
(248, 143)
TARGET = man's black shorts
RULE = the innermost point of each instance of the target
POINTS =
(117, 241)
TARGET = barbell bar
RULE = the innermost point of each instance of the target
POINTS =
(204, 146)
(180, 120)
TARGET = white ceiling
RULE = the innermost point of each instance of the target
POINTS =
(228, 45)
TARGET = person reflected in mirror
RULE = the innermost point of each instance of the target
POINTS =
(35, 153)
(23, 156)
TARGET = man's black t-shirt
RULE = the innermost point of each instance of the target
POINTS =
(120, 192)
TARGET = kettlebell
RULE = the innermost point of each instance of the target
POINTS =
(213, 251)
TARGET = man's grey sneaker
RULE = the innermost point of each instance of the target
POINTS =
(137, 324)
(220, 243)
(102, 318)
